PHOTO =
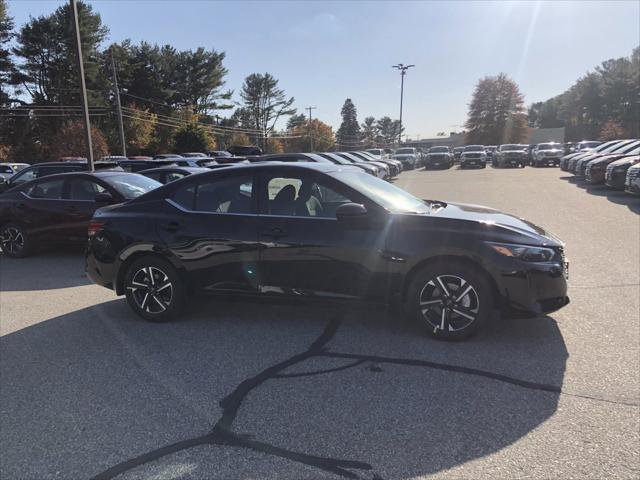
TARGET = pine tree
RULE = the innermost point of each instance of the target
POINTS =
(349, 132)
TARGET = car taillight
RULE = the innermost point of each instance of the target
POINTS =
(94, 226)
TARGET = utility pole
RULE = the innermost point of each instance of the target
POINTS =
(83, 86)
(403, 71)
(118, 105)
(310, 126)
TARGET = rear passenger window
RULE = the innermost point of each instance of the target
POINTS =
(226, 195)
(185, 197)
(51, 189)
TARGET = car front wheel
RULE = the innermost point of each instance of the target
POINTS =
(154, 289)
(450, 300)
(14, 241)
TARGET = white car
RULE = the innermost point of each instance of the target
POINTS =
(632, 181)
(7, 169)
(547, 154)
(410, 157)
(473, 156)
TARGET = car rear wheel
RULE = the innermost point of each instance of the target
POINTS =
(14, 241)
(154, 289)
(449, 300)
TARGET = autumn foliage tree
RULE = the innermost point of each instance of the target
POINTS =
(323, 137)
(69, 141)
(496, 113)
(612, 130)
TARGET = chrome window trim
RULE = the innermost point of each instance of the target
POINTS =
(186, 210)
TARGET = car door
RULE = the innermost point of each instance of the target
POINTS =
(306, 250)
(40, 209)
(79, 205)
(211, 228)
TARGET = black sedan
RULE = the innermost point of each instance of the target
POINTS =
(319, 231)
(57, 209)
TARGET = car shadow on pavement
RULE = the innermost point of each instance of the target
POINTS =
(44, 271)
(268, 390)
(615, 196)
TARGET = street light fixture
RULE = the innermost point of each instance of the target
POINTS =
(403, 71)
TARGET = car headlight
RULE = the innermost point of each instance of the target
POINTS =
(524, 252)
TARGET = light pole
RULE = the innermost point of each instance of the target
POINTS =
(403, 71)
(83, 87)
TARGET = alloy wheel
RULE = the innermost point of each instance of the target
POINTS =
(151, 289)
(449, 303)
(12, 240)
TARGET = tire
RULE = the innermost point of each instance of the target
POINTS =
(154, 289)
(14, 241)
(427, 304)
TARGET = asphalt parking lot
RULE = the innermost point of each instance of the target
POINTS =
(268, 390)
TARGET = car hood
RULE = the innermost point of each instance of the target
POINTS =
(494, 218)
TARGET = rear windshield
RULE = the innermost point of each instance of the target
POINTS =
(548, 146)
(439, 150)
(474, 148)
(131, 185)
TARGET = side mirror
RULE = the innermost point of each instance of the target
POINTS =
(348, 211)
(103, 197)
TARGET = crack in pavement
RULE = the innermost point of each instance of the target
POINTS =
(223, 435)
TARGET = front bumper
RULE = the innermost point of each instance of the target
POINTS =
(473, 162)
(531, 289)
(615, 179)
(594, 176)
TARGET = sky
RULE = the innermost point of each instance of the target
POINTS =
(324, 52)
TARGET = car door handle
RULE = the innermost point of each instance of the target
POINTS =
(275, 233)
(173, 227)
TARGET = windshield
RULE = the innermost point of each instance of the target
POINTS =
(405, 151)
(511, 147)
(5, 169)
(439, 150)
(376, 151)
(548, 146)
(131, 185)
(383, 193)
(474, 148)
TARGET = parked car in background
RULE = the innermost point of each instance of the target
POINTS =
(510, 155)
(378, 152)
(384, 170)
(56, 209)
(219, 153)
(44, 169)
(134, 166)
(621, 148)
(170, 174)
(194, 155)
(438, 157)
(395, 166)
(586, 145)
(384, 158)
(163, 156)
(194, 161)
(368, 167)
(547, 154)
(491, 150)
(244, 150)
(632, 181)
(9, 169)
(408, 156)
(330, 220)
(473, 156)
(595, 170)
(457, 151)
(140, 157)
(567, 163)
(616, 173)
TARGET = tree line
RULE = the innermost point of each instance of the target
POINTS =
(602, 104)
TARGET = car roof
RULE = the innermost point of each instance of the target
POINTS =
(174, 169)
